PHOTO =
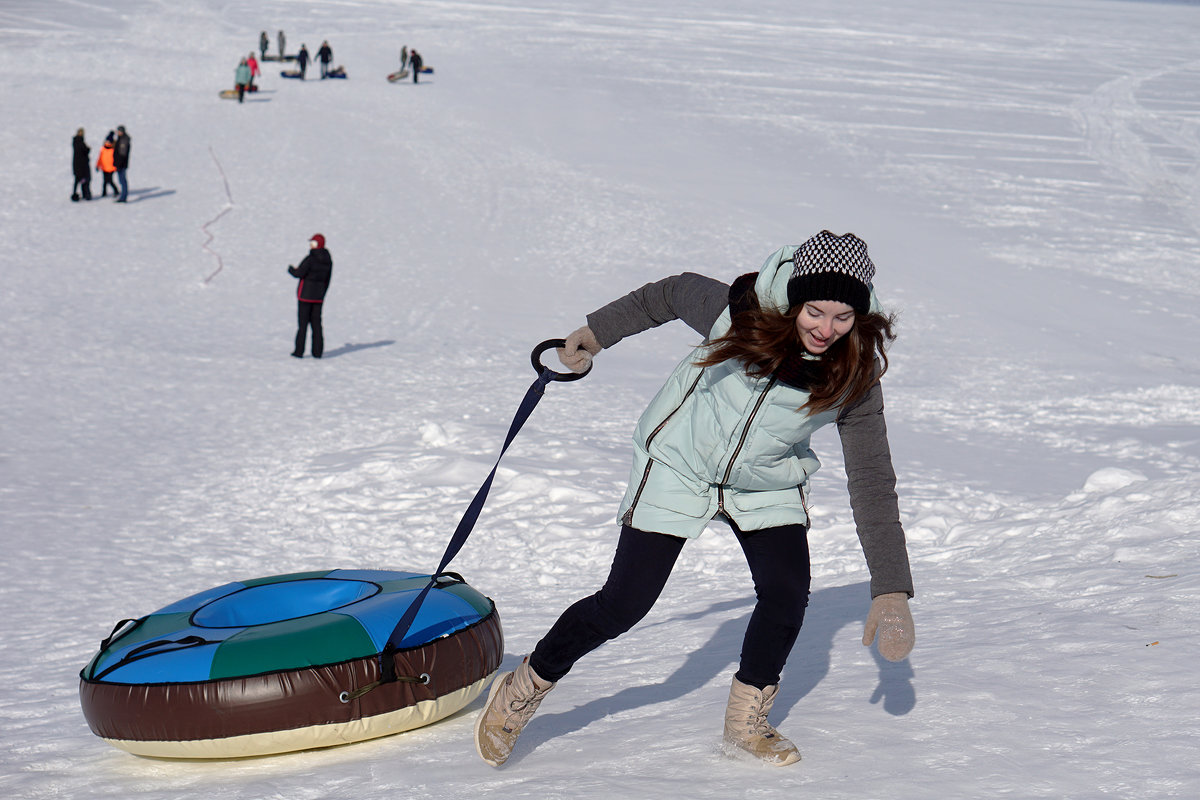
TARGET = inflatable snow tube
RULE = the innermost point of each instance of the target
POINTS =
(290, 662)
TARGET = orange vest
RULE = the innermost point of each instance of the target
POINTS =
(105, 161)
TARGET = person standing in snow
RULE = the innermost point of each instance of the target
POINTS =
(414, 59)
(263, 43)
(82, 166)
(325, 55)
(121, 160)
(282, 48)
(403, 56)
(104, 165)
(302, 60)
(252, 63)
(789, 349)
(314, 273)
(241, 77)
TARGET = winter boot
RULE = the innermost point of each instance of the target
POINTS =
(510, 704)
(746, 726)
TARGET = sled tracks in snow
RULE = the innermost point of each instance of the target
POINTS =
(1155, 153)
(205, 227)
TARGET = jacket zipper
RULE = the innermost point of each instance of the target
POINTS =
(628, 518)
(741, 442)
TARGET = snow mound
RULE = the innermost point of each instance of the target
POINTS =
(1111, 479)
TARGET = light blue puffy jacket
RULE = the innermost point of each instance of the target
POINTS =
(717, 441)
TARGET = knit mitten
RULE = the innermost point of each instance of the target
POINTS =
(581, 345)
(890, 617)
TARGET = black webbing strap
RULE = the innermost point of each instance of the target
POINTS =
(467, 523)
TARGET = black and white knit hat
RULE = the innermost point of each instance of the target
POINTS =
(831, 267)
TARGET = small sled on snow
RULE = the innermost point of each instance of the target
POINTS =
(290, 73)
(404, 73)
(337, 72)
(231, 94)
(291, 662)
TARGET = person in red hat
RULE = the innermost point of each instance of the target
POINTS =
(314, 273)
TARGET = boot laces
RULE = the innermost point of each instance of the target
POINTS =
(756, 721)
(522, 706)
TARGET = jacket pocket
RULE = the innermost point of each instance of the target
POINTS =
(664, 488)
(748, 501)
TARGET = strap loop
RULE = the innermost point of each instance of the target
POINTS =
(155, 648)
(536, 358)
(347, 697)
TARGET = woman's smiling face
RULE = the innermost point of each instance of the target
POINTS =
(820, 323)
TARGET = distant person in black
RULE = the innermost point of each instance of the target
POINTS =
(302, 60)
(263, 43)
(416, 62)
(121, 160)
(282, 42)
(314, 273)
(325, 55)
(83, 168)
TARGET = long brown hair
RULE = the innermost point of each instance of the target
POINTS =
(766, 341)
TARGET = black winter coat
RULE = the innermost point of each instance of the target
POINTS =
(121, 152)
(83, 160)
(314, 273)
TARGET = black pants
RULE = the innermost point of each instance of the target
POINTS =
(108, 181)
(83, 185)
(309, 314)
(779, 565)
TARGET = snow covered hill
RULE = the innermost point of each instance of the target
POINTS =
(1027, 176)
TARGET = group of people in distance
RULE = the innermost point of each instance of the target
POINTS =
(264, 42)
(302, 58)
(324, 58)
(113, 160)
(247, 71)
(412, 61)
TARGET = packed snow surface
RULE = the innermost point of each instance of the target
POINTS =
(1027, 175)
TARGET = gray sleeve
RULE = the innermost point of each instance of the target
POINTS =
(872, 484)
(693, 298)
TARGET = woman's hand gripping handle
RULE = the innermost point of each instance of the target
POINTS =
(580, 345)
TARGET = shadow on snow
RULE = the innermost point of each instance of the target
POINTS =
(829, 611)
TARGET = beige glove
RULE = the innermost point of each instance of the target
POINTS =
(580, 346)
(889, 615)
